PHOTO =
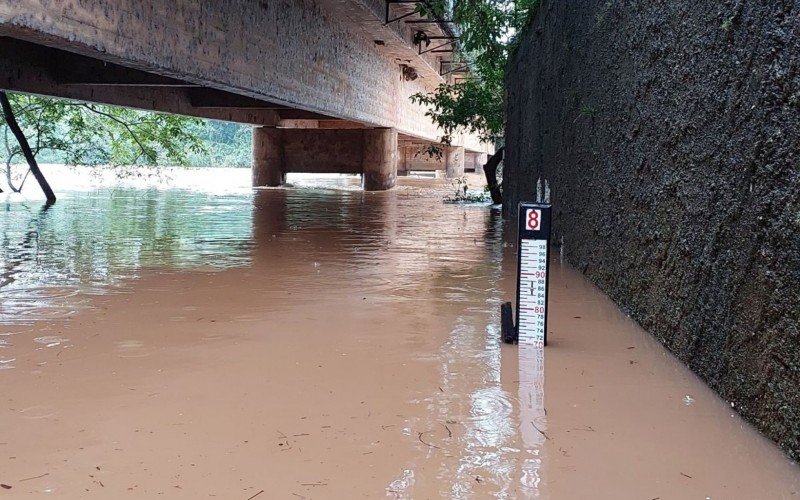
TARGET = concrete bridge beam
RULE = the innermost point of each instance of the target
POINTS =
(242, 61)
(369, 152)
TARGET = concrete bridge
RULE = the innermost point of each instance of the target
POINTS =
(326, 83)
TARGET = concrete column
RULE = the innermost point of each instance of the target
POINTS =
(402, 160)
(454, 157)
(476, 161)
(379, 163)
(481, 161)
(268, 164)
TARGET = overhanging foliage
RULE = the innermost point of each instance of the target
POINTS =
(488, 31)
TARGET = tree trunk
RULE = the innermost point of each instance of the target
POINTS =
(490, 170)
(8, 113)
(9, 180)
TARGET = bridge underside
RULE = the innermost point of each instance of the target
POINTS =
(324, 93)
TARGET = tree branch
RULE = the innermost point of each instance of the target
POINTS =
(127, 127)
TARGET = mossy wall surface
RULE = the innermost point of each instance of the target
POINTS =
(669, 132)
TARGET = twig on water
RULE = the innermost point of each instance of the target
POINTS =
(449, 432)
(419, 435)
(34, 477)
(252, 497)
(540, 431)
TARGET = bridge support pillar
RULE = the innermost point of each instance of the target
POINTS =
(454, 156)
(402, 160)
(474, 162)
(268, 162)
(379, 162)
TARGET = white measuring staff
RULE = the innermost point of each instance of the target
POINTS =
(532, 282)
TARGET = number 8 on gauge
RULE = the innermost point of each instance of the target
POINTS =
(533, 219)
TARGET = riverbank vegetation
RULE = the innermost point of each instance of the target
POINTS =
(52, 130)
(488, 32)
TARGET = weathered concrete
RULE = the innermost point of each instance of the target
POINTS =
(309, 64)
(414, 156)
(369, 152)
(417, 159)
(454, 157)
(402, 160)
(37, 69)
(269, 167)
(669, 134)
(473, 162)
(330, 58)
(380, 159)
(324, 151)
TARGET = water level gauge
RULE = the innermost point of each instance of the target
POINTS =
(533, 269)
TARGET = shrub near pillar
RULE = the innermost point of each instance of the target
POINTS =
(379, 162)
(454, 156)
(268, 167)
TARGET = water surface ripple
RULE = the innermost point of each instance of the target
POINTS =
(320, 341)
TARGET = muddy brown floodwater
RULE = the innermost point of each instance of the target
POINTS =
(321, 342)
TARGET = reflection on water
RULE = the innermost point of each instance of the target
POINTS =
(89, 242)
(361, 329)
(422, 266)
(388, 246)
(532, 414)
